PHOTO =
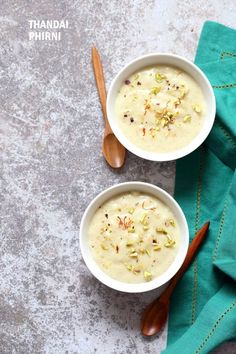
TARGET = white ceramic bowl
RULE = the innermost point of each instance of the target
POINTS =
(102, 198)
(184, 65)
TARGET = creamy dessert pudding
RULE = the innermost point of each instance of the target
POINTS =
(160, 109)
(134, 237)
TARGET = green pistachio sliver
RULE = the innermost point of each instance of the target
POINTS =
(163, 122)
(142, 220)
(132, 269)
(187, 118)
(161, 230)
(129, 267)
(131, 210)
(159, 77)
(172, 222)
(145, 228)
(104, 247)
(183, 92)
(155, 90)
(169, 238)
(169, 244)
(133, 254)
(148, 253)
(169, 114)
(147, 275)
(157, 248)
(196, 108)
(131, 229)
(129, 243)
(142, 250)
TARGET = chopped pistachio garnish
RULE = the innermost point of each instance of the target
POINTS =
(140, 239)
(129, 267)
(143, 219)
(104, 247)
(183, 92)
(159, 77)
(131, 210)
(164, 122)
(169, 222)
(155, 90)
(148, 253)
(196, 108)
(156, 245)
(172, 222)
(187, 118)
(133, 254)
(169, 114)
(142, 250)
(169, 243)
(145, 228)
(131, 229)
(132, 269)
(147, 275)
(161, 230)
(129, 243)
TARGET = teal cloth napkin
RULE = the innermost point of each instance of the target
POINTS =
(203, 306)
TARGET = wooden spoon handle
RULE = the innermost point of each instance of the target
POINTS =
(193, 248)
(100, 81)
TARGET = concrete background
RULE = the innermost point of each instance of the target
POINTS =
(52, 166)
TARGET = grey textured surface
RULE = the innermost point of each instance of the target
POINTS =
(51, 128)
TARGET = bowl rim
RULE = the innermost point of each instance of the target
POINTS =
(155, 156)
(94, 268)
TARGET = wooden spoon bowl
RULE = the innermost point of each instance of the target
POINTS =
(113, 151)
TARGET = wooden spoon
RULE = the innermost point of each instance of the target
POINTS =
(113, 150)
(155, 315)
